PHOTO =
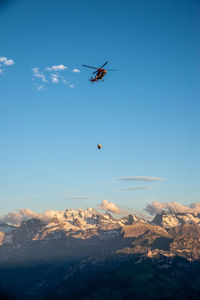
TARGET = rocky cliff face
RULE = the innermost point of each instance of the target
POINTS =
(171, 219)
(77, 233)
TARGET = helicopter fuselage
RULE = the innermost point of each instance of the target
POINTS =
(100, 74)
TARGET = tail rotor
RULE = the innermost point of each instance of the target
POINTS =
(92, 79)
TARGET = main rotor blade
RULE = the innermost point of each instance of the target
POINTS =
(90, 67)
(95, 72)
(104, 65)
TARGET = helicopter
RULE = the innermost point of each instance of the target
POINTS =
(100, 72)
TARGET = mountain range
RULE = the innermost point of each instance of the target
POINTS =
(66, 255)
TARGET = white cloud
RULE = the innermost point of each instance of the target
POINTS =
(40, 87)
(135, 188)
(50, 75)
(5, 62)
(35, 70)
(157, 207)
(9, 62)
(39, 75)
(54, 78)
(142, 178)
(2, 59)
(56, 68)
(17, 217)
(68, 83)
(110, 206)
(64, 80)
(76, 71)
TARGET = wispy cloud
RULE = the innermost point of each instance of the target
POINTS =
(76, 71)
(142, 178)
(39, 86)
(5, 62)
(80, 197)
(38, 74)
(77, 195)
(157, 207)
(54, 74)
(71, 86)
(135, 188)
(54, 78)
(56, 68)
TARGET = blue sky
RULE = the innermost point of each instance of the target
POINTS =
(146, 115)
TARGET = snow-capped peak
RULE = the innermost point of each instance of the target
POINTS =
(169, 219)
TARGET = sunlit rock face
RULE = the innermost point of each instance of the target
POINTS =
(1, 237)
(75, 233)
(62, 234)
(169, 219)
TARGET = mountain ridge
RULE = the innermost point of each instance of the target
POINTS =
(85, 254)
(93, 232)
